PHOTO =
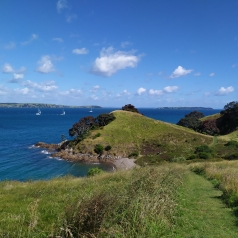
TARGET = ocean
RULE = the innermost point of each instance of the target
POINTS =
(21, 128)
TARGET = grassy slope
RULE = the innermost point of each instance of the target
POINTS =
(134, 132)
(160, 201)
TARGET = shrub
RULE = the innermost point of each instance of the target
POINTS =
(203, 148)
(232, 143)
(133, 154)
(98, 148)
(191, 157)
(204, 155)
(107, 148)
(178, 159)
(232, 156)
(94, 171)
(97, 135)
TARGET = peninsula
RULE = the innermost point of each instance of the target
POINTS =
(187, 108)
(43, 105)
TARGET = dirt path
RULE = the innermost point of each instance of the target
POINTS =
(201, 211)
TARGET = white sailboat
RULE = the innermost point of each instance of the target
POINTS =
(91, 110)
(63, 113)
(39, 112)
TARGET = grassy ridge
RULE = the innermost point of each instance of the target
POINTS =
(134, 132)
(125, 204)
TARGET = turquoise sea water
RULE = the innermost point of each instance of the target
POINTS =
(20, 129)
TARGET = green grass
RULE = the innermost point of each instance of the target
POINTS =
(159, 201)
(132, 132)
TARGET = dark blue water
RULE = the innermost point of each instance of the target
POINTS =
(20, 129)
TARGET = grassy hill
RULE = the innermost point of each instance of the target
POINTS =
(134, 133)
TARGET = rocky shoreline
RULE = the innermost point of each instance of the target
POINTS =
(117, 162)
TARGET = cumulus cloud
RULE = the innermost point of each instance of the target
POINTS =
(156, 92)
(45, 65)
(224, 91)
(61, 4)
(42, 87)
(110, 62)
(167, 89)
(16, 78)
(58, 39)
(211, 74)
(72, 17)
(141, 91)
(180, 71)
(123, 93)
(171, 89)
(95, 88)
(7, 68)
(82, 51)
(32, 38)
(10, 46)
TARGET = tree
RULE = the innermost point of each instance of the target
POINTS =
(81, 128)
(210, 127)
(191, 120)
(105, 119)
(130, 107)
(94, 171)
(228, 121)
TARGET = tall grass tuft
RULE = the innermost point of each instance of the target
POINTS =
(143, 205)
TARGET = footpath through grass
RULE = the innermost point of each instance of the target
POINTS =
(201, 212)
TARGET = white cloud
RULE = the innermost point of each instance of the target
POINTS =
(3, 90)
(110, 62)
(16, 78)
(171, 89)
(211, 74)
(58, 39)
(197, 74)
(141, 91)
(72, 17)
(224, 91)
(21, 70)
(82, 51)
(61, 4)
(123, 93)
(45, 65)
(10, 46)
(95, 88)
(7, 68)
(22, 91)
(32, 38)
(124, 44)
(42, 87)
(180, 71)
(156, 92)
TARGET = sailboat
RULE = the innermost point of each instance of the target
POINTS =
(91, 110)
(39, 112)
(63, 113)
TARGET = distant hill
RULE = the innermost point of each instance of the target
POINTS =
(43, 105)
(187, 108)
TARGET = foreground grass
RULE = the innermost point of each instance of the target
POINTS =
(137, 203)
(163, 201)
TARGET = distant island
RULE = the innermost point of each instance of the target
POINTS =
(43, 105)
(187, 108)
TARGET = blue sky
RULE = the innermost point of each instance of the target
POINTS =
(113, 52)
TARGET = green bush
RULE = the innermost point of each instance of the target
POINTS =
(97, 135)
(178, 159)
(94, 171)
(203, 148)
(232, 156)
(232, 143)
(191, 157)
(98, 149)
(204, 155)
(107, 148)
